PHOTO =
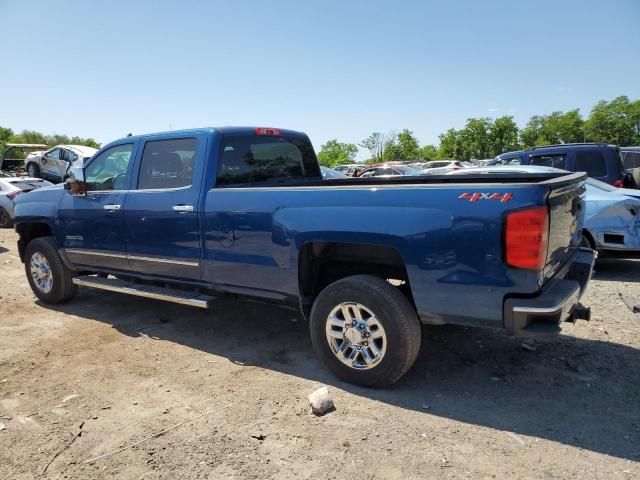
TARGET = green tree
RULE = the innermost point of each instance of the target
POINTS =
(558, 127)
(375, 143)
(335, 153)
(429, 152)
(617, 121)
(450, 144)
(408, 147)
(476, 138)
(504, 136)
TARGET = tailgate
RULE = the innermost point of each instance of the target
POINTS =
(566, 217)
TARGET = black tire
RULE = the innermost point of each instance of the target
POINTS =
(63, 288)
(394, 312)
(33, 170)
(5, 219)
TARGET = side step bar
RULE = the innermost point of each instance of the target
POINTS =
(147, 291)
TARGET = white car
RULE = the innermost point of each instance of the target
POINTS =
(54, 163)
(10, 188)
(441, 167)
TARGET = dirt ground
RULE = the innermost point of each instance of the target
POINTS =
(106, 371)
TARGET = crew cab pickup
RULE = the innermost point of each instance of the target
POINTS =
(187, 216)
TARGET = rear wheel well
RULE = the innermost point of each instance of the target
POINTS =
(29, 231)
(322, 263)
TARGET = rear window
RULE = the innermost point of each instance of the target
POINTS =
(631, 160)
(254, 159)
(592, 162)
(553, 160)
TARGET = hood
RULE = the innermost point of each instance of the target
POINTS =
(43, 194)
(629, 192)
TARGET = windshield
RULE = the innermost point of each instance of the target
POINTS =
(404, 169)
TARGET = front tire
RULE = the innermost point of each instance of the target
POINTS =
(365, 330)
(33, 170)
(5, 219)
(50, 280)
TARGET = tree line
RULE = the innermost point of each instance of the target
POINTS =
(616, 121)
(31, 136)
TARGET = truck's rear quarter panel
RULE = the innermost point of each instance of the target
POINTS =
(452, 247)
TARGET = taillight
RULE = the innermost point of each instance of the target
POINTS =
(527, 237)
(267, 131)
(618, 183)
(14, 194)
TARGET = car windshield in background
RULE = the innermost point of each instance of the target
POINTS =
(247, 159)
(405, 169)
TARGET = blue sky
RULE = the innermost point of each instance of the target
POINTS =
(334, 69)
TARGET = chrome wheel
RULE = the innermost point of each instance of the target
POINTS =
(41, 272)
(356, 336)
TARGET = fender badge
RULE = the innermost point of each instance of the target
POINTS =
(474, 197)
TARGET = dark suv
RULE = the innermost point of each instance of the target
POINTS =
(602, 162)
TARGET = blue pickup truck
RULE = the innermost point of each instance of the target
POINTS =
(187, 216)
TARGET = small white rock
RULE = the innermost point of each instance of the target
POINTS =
(321, 402)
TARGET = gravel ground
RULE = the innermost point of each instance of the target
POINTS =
(106, 371)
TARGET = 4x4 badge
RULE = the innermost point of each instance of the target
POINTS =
(474, 197)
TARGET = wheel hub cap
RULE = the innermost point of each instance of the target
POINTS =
(41, 272)
(356, 336)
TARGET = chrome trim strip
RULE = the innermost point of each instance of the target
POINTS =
(99, 253)
(164, 260)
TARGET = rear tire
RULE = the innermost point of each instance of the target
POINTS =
(5, 219)
(365, 331)
(49, 278)
(33, 170)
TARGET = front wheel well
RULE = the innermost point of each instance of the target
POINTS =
(29, 231)
(323, 263)
(589, 238)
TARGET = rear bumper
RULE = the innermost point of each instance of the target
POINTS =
(557, 302)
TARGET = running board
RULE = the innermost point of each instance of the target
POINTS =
(147, 291)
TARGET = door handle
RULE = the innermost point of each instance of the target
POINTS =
(182, 208)
(111, 207)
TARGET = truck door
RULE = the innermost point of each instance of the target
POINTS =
(161, 211)
(92, 226)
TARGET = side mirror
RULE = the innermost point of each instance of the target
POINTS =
(75, 182)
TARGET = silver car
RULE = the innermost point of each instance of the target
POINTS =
(10, 188)
(53, 164)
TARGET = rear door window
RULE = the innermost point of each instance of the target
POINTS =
(558, 160)
(592, 162)
(257, 159)
(167, 164)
